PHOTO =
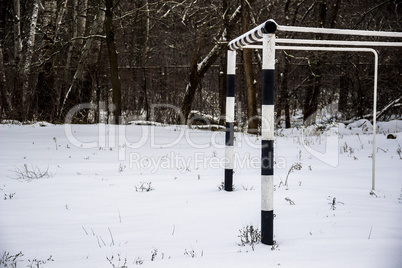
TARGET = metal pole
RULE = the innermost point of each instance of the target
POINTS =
(347, 49)
(338, 43)
(374, 117)
(255, 35)
(229, 139)
(337, 31)
(252, 36)
(267, 133)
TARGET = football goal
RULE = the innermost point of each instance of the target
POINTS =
(263, 37)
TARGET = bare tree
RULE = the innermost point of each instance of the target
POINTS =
(198, 67)
(113, 62)
(17, 31)
(17, 100)
(5, 103)
(96, 28)
(142, 33)
(248, 71)
(26, 93)
(60, 18)
(314, 89)
(45, 94)
(175, 52)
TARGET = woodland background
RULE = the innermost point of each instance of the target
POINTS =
(134, 54)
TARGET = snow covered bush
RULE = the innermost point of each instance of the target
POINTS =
(291, 202)
(9, 196)
(119, 259)
(249, 236)
(8, 260)
(31, 173)
(35, 263)
(295, 166)
(190, 253)
(144, 187)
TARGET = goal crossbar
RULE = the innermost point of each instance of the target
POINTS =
(255, 35)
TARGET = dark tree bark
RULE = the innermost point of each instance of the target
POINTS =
(142, 49)
(312, 93)
(343, 94)
(113, 62)
(358, 102)
(27, 93)
(45, 93)
(197, 72)
(223, 66)
(194, 80)
(4, 99)
(316, 67)
(222, 89)
(284, 103)
(17, 97)
(249, 74)
(198, 69)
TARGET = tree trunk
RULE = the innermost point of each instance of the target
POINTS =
(17, 97)
(60, 18)
(343, 94)
(17, 32)
(313, 92)
(142, 55)
(359, 100)
(335, 12)
(113, 62)
(145, 56)
(223, 71)
(95, 29)
(390, 105)
(82, 7)
(198, 70)
(45, 93)
(5, 103)
(315, 76)
(191, 87)
(285, 91)
(26, 96)
(222, 89)
(80, 14)
(249, 74)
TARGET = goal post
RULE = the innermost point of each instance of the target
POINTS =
(267, 134)
(265, 33)
(230, 102)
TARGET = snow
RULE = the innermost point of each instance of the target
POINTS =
(392, 126)
(88, 209)
(362, 124)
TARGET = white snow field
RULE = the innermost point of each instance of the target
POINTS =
(108, 196)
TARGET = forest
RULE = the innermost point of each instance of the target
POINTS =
(165, 60)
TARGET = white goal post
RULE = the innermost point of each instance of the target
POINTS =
(265, 33)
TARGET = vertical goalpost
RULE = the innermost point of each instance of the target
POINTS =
(229, 135)
(265, 33)
(267, 134)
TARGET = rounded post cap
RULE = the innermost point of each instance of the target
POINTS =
(269, 27)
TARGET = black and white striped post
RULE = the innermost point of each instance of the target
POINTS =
(267, 134)
(230, 102)
(265, 33)
(248, 38)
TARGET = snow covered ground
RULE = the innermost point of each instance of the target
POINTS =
(103, 196)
